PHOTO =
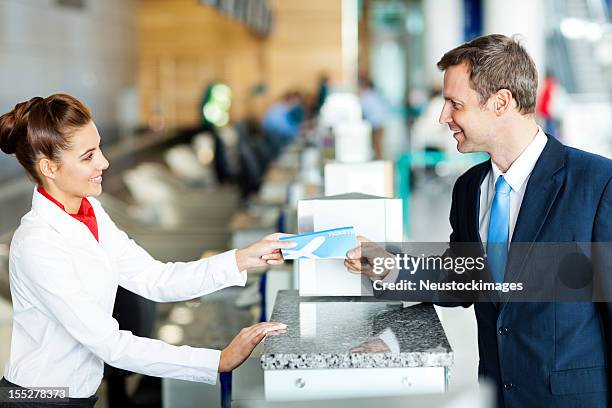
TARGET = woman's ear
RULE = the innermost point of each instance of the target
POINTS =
(47, 168)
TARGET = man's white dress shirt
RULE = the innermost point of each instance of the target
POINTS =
(63, 285)
(517, 177)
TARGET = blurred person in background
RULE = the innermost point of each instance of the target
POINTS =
(67, 259)
(552, 102)
(375, 111)
(283, 119)
(322, 92)
(297, 112)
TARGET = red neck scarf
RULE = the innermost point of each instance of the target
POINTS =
(86, 213)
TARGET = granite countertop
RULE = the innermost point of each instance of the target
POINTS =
(346, 332)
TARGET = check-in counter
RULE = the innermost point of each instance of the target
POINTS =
(345, 347)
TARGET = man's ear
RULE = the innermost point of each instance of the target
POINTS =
(502, 101)
(48, 168)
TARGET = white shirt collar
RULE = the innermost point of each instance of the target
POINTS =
(59, 219)
(522, 167)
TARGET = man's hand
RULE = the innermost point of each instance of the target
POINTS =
(241, 347)
(264, 252)
(361, 263)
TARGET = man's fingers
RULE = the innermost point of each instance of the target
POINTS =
(354, 253)
(359, 267)
(352, 267)
(367, 269)
(361, 239)
(353, 263)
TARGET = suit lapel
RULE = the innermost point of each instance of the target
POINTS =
(542, 189)
(473, 218)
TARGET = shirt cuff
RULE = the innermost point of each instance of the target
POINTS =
(204, 365)
(228, 262)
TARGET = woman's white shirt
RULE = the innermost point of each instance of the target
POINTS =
(63, 286)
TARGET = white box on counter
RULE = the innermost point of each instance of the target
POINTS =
(373, 177)
(353, 141)
(377, 218)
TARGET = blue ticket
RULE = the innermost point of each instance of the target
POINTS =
(328, 244)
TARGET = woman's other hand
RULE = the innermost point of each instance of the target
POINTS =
(241, 347)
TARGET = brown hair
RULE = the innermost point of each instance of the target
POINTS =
(497, 62)
(41, 127)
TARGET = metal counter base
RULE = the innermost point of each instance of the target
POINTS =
(313, 384)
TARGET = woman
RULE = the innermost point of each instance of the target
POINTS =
(67, 258)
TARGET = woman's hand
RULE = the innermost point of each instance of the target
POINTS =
(264, 252)
(241, 347)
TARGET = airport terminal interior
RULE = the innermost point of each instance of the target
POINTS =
(225, 121)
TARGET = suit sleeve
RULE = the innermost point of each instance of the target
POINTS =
(602, 262)
(449, 299)
(453, 239)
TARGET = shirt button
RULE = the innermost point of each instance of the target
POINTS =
(508, 386)
(503, 331)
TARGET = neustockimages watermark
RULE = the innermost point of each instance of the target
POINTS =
(427, 285)
(463, 272)
(459, 264)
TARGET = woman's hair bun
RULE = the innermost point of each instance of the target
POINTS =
(14, 125)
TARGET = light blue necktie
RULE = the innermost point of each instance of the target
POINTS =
(499, 228)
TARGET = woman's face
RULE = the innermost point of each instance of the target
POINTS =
(79, 173)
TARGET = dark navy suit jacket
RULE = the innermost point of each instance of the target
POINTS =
(546, 354)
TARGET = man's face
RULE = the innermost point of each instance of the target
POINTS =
(471, 123)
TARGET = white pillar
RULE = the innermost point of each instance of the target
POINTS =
(350, 46)
(443, 32)
(524, 17)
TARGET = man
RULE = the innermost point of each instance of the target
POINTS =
(533, 189)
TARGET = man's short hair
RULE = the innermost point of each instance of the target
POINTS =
(497, 62)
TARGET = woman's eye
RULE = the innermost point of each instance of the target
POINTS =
(455, 105)
(89, 157)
